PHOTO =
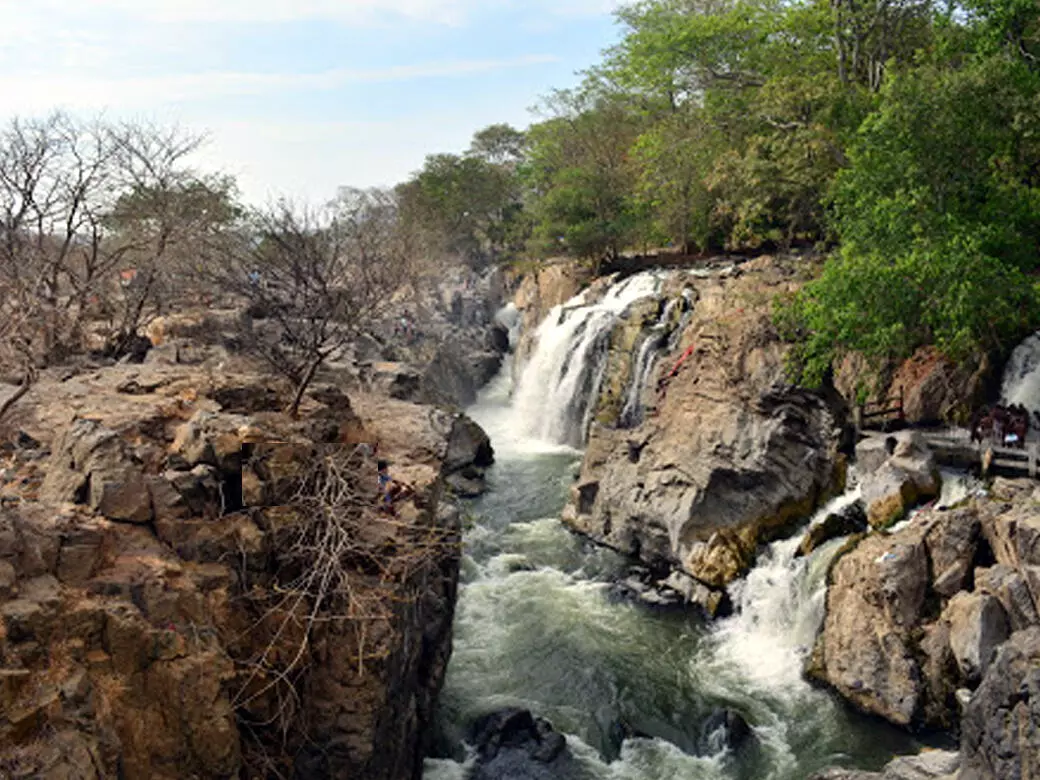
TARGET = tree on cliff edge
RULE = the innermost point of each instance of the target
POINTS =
(315, 279)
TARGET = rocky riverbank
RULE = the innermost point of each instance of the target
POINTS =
(723, 454)
(698, 452)
(169, 604)
(935, 626)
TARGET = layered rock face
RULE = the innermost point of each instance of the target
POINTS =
(726, 454)
(936, 625)
(164, 561)
(933, 388)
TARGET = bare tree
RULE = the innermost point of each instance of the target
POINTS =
(319, 276)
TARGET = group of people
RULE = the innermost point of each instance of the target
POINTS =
(1005, 426)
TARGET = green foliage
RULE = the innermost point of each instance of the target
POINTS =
(470, 205)
(580, 175)
(904, 133)
(939, 216)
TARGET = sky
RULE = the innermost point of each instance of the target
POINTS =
(300, 97)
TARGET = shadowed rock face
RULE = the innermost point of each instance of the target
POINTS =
(143, 565)
(1001, 731)
(727, 456)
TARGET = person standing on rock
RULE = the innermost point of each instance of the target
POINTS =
(385, 483)
(390, 489)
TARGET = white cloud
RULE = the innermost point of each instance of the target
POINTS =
(32, 94)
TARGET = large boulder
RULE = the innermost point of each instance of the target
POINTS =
(896, 472)
(866, 650)
(93, 465)
(1000, 732)
(211, 439)
(978, 626)
(952, 542)
(849, 520)
(727, 455)
(512, 744)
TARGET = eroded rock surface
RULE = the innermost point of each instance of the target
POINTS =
(149, 557)
(917, 619)
(896, 473)
(727, 454)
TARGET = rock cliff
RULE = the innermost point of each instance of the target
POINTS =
(727, 454)
(936, 625)
(193, 585)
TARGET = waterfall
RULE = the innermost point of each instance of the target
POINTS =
(780, 606)
(1021, 383)
(665, 333)
(649, 350)
(560, 382)
(508, 317)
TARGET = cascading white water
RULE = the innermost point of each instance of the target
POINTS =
(663, 333)
(563, 375)
(1021, 382)
(646, 359)
(534, 627)
(780, 607)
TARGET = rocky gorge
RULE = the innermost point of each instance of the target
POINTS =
(161, 616)
(717, 455)
(193, 583)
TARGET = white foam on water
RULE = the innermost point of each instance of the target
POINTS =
(561, 380)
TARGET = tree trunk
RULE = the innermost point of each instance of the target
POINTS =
(301, 388)
(23, 388)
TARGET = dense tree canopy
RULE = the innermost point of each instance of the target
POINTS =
(901, 135)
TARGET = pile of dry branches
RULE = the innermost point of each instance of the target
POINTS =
(344, 569)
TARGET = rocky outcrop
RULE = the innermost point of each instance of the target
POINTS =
(866, 650)
(440, 345)
(933, 388)
(727, 455)
(930, 765)
(850, 520)
(512, 744)
(159, 611)
(896, 473)
(1001, 731)
(916, 619)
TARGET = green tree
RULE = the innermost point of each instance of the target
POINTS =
(468, 205)
(939, 217)
(581, 177)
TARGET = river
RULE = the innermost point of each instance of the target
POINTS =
(537, 627)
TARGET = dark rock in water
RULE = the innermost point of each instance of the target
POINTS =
(663, 590)
(850, 520)
(512, 744)
(498, 338)
(724, 729)
(468, 445)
